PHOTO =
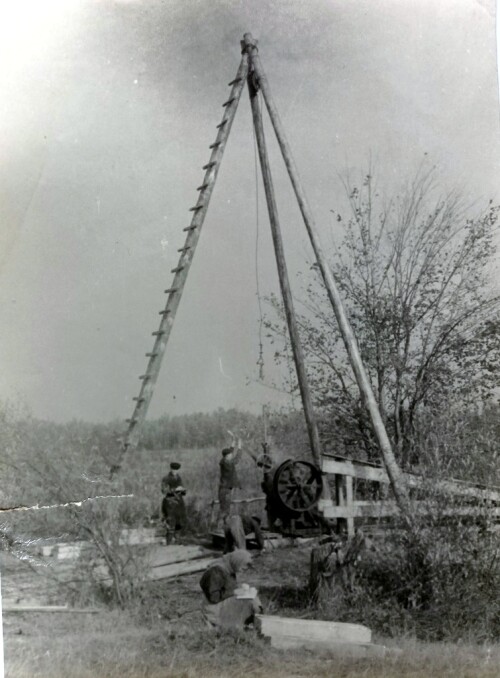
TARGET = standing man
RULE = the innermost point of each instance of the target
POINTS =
(173, 508)
(228, 477)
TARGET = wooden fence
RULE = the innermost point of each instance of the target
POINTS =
(475, 498)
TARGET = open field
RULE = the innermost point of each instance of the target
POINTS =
(164, 636)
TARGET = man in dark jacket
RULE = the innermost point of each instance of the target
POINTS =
(266, 464)
(227, 606)
(228, 477)
(173, 508)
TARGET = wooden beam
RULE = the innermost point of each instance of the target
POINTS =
(348, 337)
(286, 292)
(333, 648)
(349, 468)
(313, 629)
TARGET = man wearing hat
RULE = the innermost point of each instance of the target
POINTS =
(173, 509)
(172, 479)
(228, 477)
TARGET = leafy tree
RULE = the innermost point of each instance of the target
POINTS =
(414, 274)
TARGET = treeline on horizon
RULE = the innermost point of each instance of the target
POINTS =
(196, 430)
(210, 429)
(465, 445)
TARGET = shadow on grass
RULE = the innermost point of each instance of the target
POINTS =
(277, 598)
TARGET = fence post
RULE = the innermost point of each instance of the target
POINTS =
(340, 499)
(349, 504)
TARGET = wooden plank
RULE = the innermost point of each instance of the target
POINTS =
(337, 649)
(139, 536)
(179, 569)
(379, 509)
(73, 549)
(167, 561)
(313, 630)
(350, 468)
(167, 555)
(161, 571)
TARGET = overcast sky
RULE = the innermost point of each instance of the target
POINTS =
(107, 110)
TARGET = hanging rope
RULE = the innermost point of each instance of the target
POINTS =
(260, 361)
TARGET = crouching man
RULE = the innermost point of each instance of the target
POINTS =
(227, 605)
(236, 529)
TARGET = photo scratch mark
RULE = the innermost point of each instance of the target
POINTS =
(37, 507)
(221, 369)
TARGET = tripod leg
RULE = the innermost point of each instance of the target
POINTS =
(346, 331)
(182, 269)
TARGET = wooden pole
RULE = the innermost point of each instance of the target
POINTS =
(286, 292)
(182, 269)
(348, 337)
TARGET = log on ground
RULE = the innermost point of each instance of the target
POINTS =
(313, 630)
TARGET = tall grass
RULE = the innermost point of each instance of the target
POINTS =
(111, 646)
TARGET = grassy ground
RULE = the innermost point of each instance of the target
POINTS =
(163, 636)
(113, 646)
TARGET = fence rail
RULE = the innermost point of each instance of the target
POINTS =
(347, 507)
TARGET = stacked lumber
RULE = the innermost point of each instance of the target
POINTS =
(72, 550)
(177, 569)
(174, 553)
(165, 562)
(139, 536)
(353, 640)
(176, 560)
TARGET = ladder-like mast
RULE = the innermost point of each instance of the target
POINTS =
(162, 334)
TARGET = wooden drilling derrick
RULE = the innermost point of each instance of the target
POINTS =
(251, 71)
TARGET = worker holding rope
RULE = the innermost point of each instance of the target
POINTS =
(228, 476)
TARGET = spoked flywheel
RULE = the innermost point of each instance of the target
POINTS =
(297, 485)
